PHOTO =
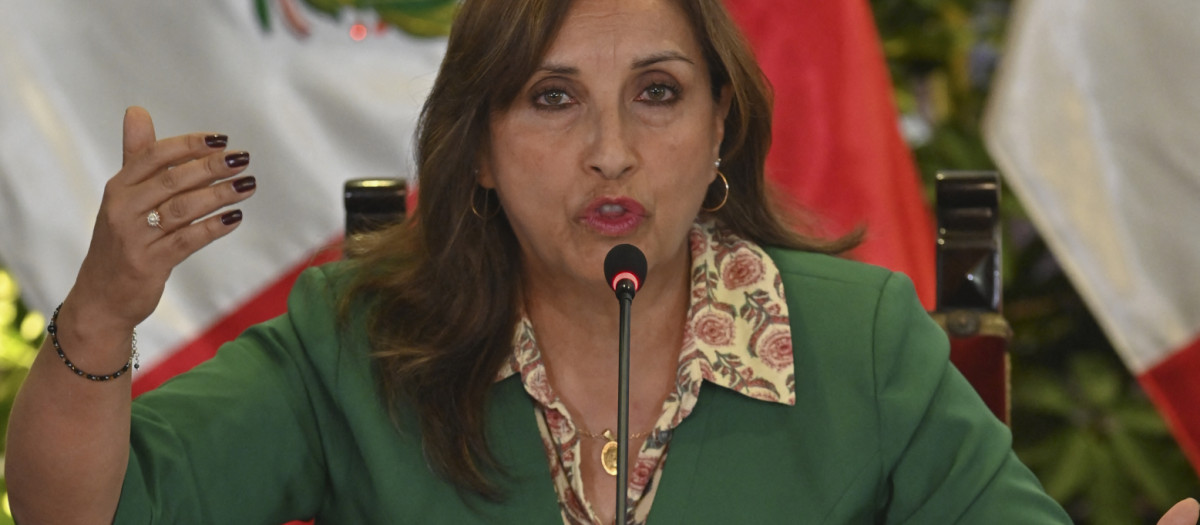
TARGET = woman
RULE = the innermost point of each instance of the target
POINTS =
(463, 370)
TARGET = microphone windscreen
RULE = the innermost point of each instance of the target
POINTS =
(625, 259)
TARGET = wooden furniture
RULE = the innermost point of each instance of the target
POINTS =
(969, 285)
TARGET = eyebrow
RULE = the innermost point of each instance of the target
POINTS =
(558, 69)
(664, 56)
(656, 58)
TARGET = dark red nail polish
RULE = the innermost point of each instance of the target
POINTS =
(244, 184)
(216, 141)
(237, 160)
(231, 217)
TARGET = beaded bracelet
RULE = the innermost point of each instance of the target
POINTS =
(52, 329)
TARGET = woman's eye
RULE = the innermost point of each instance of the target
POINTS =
(553, 98)
(658, 94)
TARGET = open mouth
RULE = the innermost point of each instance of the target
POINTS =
(613, 216)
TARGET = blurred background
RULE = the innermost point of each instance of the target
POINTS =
(1080, 420)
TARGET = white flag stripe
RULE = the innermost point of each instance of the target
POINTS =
(1095, 122)
(313, 113)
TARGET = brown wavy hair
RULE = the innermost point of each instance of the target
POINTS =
(442, 289)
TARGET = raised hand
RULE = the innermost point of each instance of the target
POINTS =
(156, 211)
(68, 438)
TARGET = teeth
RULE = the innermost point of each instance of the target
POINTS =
(612, 209)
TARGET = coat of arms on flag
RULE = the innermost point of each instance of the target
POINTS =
(417, 17)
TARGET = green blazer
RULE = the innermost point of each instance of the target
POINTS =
(286, 423)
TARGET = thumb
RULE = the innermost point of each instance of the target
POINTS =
(1186, 512)
(138, 133)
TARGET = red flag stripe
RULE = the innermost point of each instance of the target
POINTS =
(837, 148)
(1174, 386)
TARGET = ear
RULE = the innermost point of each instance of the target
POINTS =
(483, 176)
(720, 113)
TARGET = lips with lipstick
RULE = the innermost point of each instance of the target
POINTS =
(613, 217)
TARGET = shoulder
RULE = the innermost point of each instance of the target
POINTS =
(318, 294)
(312, 334)
(857, 322)
(824, 283)
(801, 265)
(324, 284)
(848, 313)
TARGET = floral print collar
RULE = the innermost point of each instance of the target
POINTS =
(736, 335)
(737, 322)
(738, 318)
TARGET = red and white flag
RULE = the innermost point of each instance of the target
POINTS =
(1095, 122)
(837, 148)
(313, 111)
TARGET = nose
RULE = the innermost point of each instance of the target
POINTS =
(610, 152)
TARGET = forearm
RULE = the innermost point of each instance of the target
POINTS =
(68, 442)
(68, 437)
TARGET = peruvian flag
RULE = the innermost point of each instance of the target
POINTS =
(837, 148)
(312, 105)
(1095, 121)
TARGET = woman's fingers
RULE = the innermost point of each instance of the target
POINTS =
(142, 155)
(182, 209)
(152, 217)
(158, 156)
(138, 133)
(194, 174)
(173, 248)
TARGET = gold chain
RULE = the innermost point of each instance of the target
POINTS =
(608, 453)
(604, 435)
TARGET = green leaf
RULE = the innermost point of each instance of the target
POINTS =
(427, 22)
(1065, 479)
(1041, 454)
(1141, 418)
(5, 511)
(9, 291)
(1040, 391)
(330, 7)
(1108, 491)
(1098, 379)
(1134, 460)
(263, 13)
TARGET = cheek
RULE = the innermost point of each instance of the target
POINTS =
(525, 141)
(533, 197)
(687, 133)
(681, 162)
(527, 198)
(526, 165)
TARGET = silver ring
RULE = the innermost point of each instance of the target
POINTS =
(154, 219)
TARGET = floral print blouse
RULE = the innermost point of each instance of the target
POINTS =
(736, 336)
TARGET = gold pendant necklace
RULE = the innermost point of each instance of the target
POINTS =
(608, 454)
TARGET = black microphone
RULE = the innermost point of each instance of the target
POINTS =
(625, 271)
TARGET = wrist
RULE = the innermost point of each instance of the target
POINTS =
(94, 317)
(87, 349)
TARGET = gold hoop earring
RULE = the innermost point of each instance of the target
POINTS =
(724, 182)
(486, 205)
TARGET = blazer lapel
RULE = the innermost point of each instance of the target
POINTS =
(517, 444)
(673, 502)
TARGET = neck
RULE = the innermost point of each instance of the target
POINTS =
(577, 329)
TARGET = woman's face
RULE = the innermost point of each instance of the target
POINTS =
(612, 140)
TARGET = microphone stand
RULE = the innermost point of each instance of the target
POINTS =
(625, 291)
